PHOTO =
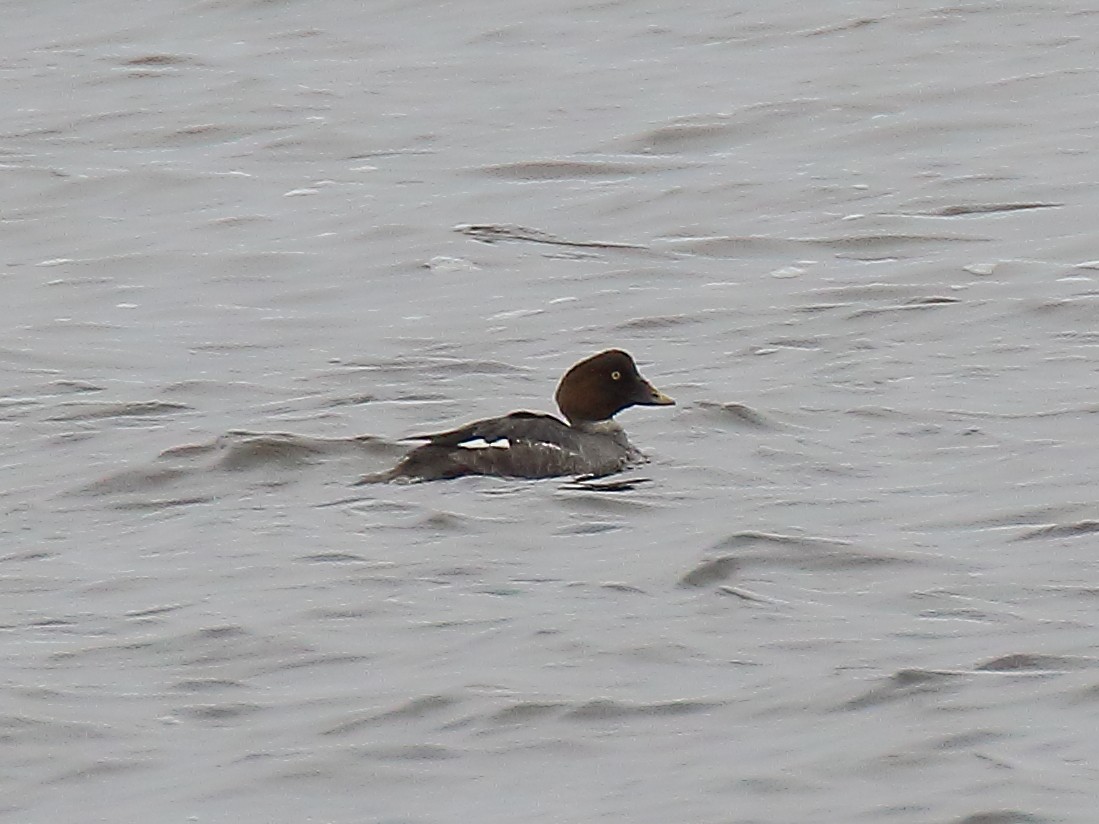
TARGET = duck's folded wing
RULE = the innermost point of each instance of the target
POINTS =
(522, 444)
(518, 427)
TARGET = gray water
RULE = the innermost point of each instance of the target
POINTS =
(248, 246)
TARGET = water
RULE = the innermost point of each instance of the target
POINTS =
(248, 246)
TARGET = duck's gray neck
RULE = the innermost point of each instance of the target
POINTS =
(608, 427)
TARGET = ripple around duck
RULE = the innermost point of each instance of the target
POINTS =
(186, 475)
(225, 713)
(22, 729)
(1031, 662)
(916, 304)
(407, 752)
(606, 709)
(903, 684)
(205, 685)
(84, 411)
(710, 572)
(420, 708)
(589, 528)
(97, 769)
(661, 322)
(497, 232)
(565, 170)
(889, 242)
(731, 248)
(772, 549)
(525, 712)
(971, 209)
(244, 452)
(1006, 817)
(1073, 530)
(441, 366)
(162, 59)
(736, 413)
(163, 503)
(129, 481)
(210, 649)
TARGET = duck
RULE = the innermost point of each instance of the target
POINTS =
(588, 442)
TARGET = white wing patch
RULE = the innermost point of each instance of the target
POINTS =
(481, 443)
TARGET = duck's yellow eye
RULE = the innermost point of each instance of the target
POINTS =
(616, 375)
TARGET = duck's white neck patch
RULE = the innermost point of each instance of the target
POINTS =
(481, 443)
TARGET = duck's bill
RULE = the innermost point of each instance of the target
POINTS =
(654, 397)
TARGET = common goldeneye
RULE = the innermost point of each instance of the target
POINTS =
(534, 445)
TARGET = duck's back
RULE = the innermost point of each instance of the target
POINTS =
(519, 445)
